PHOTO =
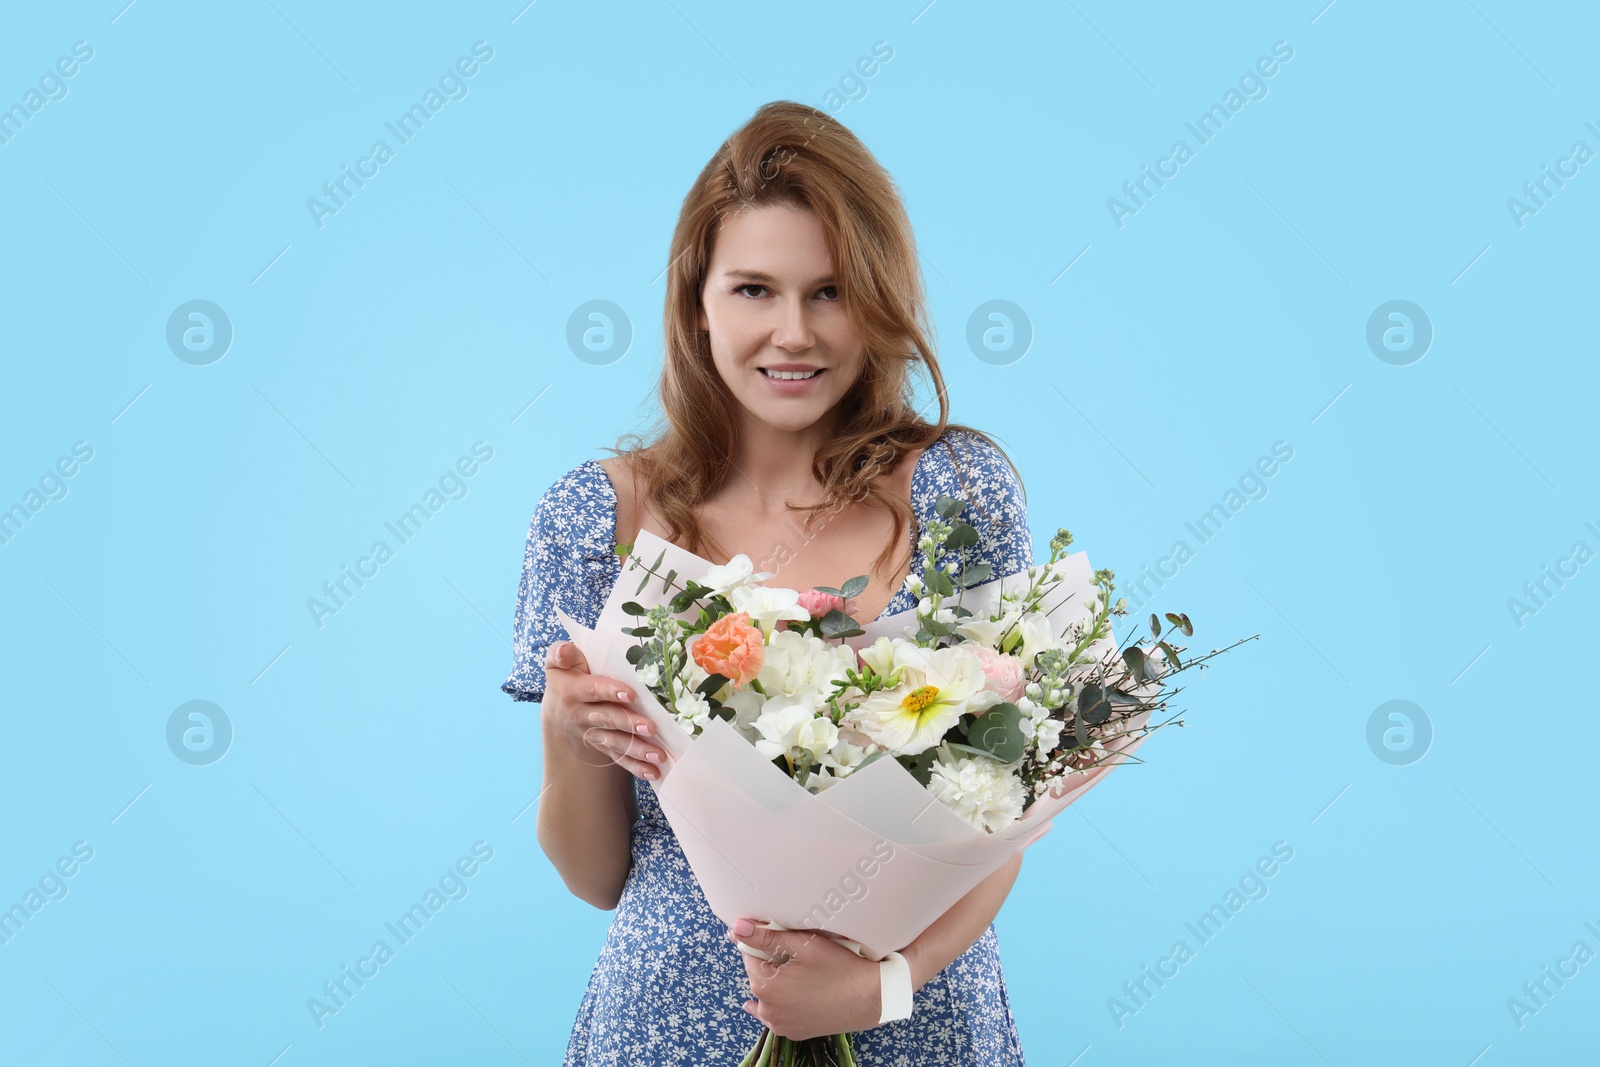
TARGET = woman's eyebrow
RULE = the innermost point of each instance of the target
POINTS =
(759, 276)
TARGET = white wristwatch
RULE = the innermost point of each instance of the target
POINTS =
(894, 976)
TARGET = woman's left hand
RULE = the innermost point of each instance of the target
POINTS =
(812, 987)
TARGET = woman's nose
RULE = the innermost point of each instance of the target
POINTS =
(793, 330)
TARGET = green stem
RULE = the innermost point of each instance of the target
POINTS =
(769, 1043)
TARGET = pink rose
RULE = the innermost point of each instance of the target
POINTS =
(1002, 673)
(819, 603)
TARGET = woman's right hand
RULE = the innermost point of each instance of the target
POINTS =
(591, 712)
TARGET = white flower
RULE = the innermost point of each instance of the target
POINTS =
(987, 631)
(767, 606)
(936, 688)
(650, 674)
(786, 724)
(844, 756)
(691, 674)
(694, 709)
(1038, 634)
(980, 790)
(803, 665)
(1047, 733)
(746, 704)
(880, 657)
(732, 575)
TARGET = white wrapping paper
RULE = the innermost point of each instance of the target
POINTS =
(874, 858)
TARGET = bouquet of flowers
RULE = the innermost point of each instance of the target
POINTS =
(1002, 698)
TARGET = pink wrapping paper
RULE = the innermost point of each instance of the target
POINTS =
(875, 857)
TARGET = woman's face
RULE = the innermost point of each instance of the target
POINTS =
(770, 304)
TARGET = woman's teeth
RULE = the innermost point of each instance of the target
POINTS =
(790, 375)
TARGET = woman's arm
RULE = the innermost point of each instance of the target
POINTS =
(814, 985)
(960, 927)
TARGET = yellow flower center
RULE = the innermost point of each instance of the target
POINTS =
(917, 701)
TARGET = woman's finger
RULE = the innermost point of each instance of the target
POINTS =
(626, 750)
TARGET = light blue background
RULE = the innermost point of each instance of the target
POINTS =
(369, 354)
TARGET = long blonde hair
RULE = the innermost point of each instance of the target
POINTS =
(794, 155)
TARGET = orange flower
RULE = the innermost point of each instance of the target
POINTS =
(732, 648)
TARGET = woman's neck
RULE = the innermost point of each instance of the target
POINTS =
(772, 467)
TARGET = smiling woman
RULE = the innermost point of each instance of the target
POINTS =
(795, 317)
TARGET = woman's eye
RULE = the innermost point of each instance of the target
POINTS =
(830, 289)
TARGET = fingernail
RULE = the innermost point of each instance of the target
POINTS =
(743, 927)
(650, 772)
(644, 728)
(622, 695)
(596, 718)
(653, 757)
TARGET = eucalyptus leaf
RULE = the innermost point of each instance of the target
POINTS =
(853, 587)
(961, 536)
(836, 622)
(939, 582)
(998, 732)
(1133, 656)
(920, 766)
(1093, 707)
(948, 507)
(875, 756)
(978, 572)
(633, 607)
(711, 685)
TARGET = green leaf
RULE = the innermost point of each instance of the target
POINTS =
(1093, 707)
(1133, 656)
(853, 587)
(935, 628)
(920, 765)
(639, 631)
(1182, 623)
(633, 607)
(646, 579)
(1172, 655)
(998, 733)
(666, 583)
(978, 572)
(636, 653)
(711, 685)
(956, 746)
(1155, 625)
(961, 536)
(876, 755)
(830, 590)
(939, 582)
(948, 507)
(623, 549)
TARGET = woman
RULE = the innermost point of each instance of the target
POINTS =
(794, 315)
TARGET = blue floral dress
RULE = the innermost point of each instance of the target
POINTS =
(669, 987)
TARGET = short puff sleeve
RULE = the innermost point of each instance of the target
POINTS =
(996, 505)
(569, 563)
